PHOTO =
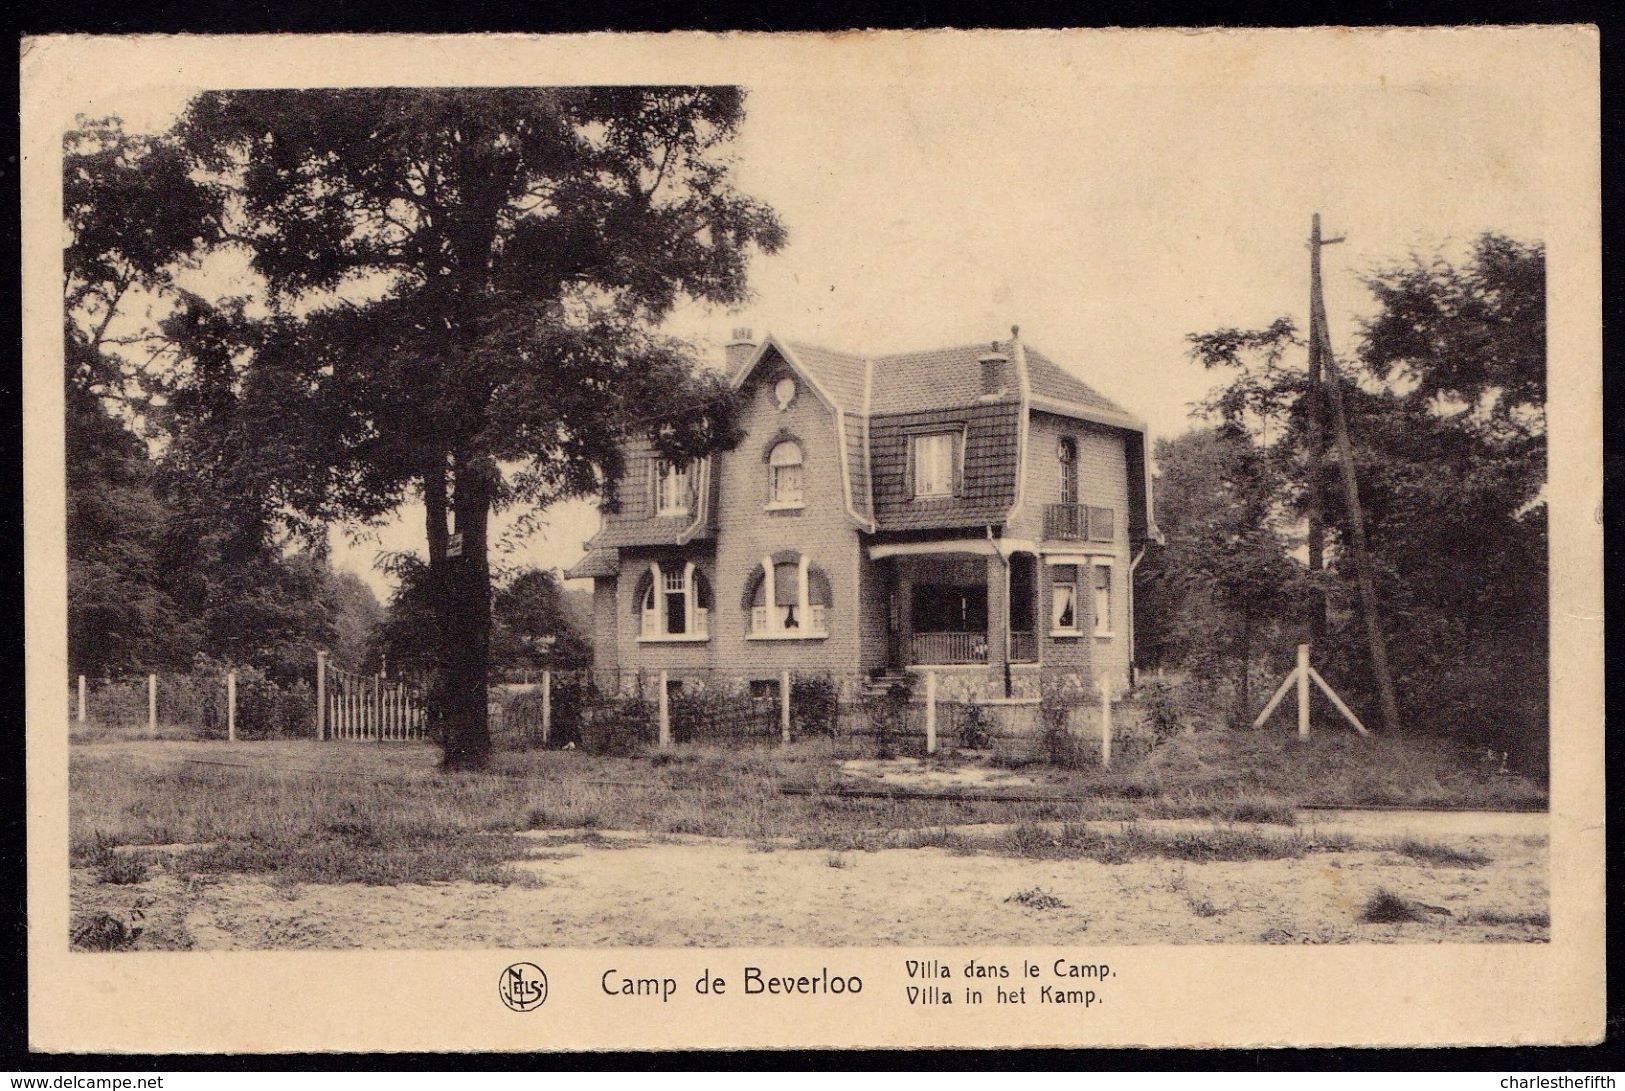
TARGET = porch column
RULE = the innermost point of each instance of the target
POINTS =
(998, 613)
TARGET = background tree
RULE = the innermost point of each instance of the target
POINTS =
(1216, 594)
(532, 627)
(1445, 403)
(175, 549)
(469, 285)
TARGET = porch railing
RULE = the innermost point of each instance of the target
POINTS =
(947, 649)
(1023, 647)
(1066, 522)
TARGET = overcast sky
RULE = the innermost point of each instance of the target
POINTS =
(1108, 220)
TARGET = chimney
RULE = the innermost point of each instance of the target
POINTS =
(995, 372)
(740, 349)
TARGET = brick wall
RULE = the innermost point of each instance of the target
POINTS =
(821, 529)
(1102, 482)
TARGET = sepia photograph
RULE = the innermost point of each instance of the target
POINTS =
(900, 499)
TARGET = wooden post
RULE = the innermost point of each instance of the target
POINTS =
(1105, 721)
(81, 698)
(152, 704)
(664, 700)
(784, 706)
(930, 711)
(321, 696)
(1303, 691)
(547, 705)
(231, 706)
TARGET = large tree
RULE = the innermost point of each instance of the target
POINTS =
(468, 287)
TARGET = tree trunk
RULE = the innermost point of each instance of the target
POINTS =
(1244, 713)
(467, 619)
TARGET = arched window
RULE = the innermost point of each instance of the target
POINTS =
(788, 598)
(674, 603)
(784, 470)
(1069, 470)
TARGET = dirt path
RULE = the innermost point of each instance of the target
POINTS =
(626, 890)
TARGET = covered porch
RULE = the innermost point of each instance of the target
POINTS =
(967, 602)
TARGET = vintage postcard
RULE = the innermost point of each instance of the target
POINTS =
(1046, 538)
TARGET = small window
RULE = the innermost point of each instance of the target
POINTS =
(1103, 599)
(935, 464)
(1064, 600)
(784, 466)
(673, 488)
(1102, 524)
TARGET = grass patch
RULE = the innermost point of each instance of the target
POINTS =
(1496, 917)
(1386, 907)
(1076, 841)
(1437, 854)
(122, 871)
(102, 932)
(1036, 898)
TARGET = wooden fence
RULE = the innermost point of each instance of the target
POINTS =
(366, 707)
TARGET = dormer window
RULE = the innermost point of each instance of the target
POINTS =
(784, 470)
(936, 464)
(674, 493)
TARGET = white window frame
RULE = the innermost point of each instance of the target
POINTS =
(1100, 598)
(1056, 584)
(765, 623)
(653, 615)
(673, 488)
(776, 498)
(950, 463)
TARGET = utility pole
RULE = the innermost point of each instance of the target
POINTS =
(1317, 438)
(1331, 385)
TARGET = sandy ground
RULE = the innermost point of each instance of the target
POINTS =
(624, 889)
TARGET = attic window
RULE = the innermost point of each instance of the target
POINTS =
(784, 464)
(674, 493)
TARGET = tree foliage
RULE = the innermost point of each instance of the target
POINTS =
(466, 289)
(1445, 402)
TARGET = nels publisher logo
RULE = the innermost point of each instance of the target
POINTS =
(523, 986)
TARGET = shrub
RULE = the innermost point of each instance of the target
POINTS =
(717, 712)
(814, 704)
(620, 725)
(887, 713)
(1065, 750)
(974, 728)
(1386, 907)
(1036, 898)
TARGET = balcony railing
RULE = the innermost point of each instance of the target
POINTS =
(1066, 522)
(947, 649)
(1023, 647)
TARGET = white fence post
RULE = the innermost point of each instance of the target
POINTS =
(152, 704)
(81, 698)
(321, 696)
(930, 711)
(1105, 721)
(665, 712)
(784, 706)
(1303, 691)
(231, 706)
(547, 705)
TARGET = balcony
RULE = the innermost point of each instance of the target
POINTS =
(1066, 522)
(1078, 523)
